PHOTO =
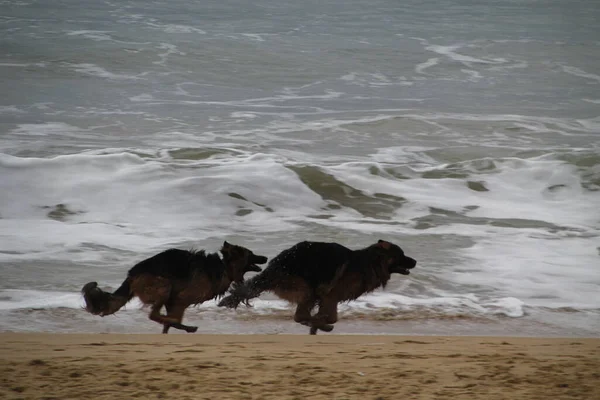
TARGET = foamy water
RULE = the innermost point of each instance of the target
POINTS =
(477, 151)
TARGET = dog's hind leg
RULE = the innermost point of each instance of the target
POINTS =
(166, 326)
(176, 312)
(325, 317)
(324, 289)
(161, 319)
(303, 310)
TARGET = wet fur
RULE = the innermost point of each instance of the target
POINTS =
(322, 274)
(175, 279)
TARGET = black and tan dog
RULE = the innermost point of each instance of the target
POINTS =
(324, 274)
(175, 279)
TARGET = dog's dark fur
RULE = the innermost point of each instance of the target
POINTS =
(175, 279)
(324, 274)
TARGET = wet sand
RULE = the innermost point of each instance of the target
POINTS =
(113, 366)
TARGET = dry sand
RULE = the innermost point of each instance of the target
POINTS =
(100, 366)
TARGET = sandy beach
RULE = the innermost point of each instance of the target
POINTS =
(113, 366)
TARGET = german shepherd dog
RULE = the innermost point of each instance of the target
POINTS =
(175, 279)
(324, 274)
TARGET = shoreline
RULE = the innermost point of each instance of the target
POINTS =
(73, 321)
(289, 366)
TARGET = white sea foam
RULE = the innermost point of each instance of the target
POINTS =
(580, 73)
(176, 28)
(516, 65)
(449, 51)
(11, 299)
(10, 110)
(98, 36)
(243, 115)
(412, 155)
(46, 129)
(101, 36)
(5, 64)
(542, 269)
(142, 97)
(374, 80)
(420, 68)
(474, 76)
(19, 65)
(519, 189)
(15, 299)
(170, 50)
(537, 123)
(254, 36)
(123, 200)
(95, 70)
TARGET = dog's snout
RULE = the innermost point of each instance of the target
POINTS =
(259, 259)
(411, 262)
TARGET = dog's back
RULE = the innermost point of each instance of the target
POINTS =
(315, 262)
(179, 264)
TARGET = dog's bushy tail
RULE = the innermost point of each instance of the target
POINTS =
(99, 302)
(242, 292)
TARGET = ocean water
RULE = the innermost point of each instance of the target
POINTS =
(466, 132)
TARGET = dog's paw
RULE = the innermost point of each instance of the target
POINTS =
(191, 329)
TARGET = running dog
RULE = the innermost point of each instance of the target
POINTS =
(175, 279)
(324, 274)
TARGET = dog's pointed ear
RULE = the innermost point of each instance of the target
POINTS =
(383, 244)
(225, 250)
